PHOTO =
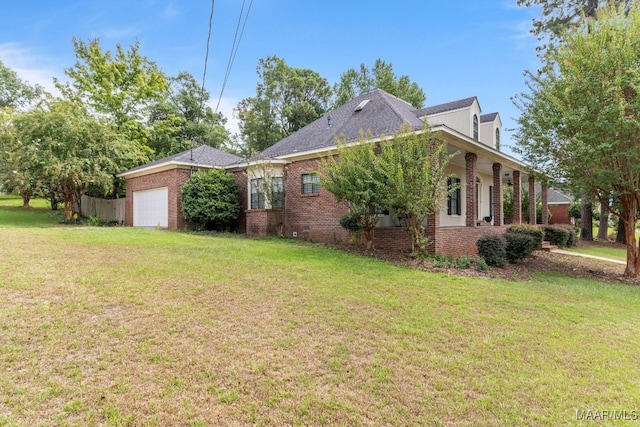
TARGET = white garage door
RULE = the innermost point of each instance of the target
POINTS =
(151, 207)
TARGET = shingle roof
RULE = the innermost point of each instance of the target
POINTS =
(449, 106)
(485, 118)
(382, 115)
(202, 155)
(554, 196)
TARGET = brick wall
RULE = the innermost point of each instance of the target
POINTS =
(460, 241)
(241, 179)
(173, 179)
(559, 214)
(311, 216)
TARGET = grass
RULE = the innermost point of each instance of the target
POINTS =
(613, 252)
(121, 326)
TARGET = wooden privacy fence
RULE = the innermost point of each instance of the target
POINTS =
(106, 209)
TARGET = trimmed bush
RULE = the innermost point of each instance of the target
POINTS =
(349, 221)
(493, 249)
(463, 262)
(530, 230)
(481, 264)
(519, 246)
(557, 236)
(210, 199)
(573, 233)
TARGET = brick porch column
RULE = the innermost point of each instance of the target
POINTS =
(497, 195)
(532, 200)
(471, 160)
(545, 204)
(431, 231)
(517, 198)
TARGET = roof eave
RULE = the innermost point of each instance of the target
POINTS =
(133, 173)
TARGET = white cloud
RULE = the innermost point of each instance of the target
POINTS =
(226, 108)
(31, 68)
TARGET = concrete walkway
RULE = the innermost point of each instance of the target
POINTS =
(560, 251)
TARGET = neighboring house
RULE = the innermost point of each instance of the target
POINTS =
(307, 211)
(558, 203)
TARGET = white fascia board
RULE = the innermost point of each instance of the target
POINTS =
(255, 163)
(161, 167)
(463, 142)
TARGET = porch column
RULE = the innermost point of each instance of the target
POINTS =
(517, 198)
(497, 195)
(471, 159)
(545, 204)
(431, 231)
(532, 200)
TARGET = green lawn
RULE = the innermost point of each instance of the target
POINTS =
(613, 252)
(122, 326)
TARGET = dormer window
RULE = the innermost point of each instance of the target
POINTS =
(475, 127)
(497, 139)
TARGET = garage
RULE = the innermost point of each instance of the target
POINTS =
(151, 208)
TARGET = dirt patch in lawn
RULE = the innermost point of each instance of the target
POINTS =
(539, 261)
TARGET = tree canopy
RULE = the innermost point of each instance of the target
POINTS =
(580, 122)
(14, 93)
(60, 146)
(381, 76)
(353, 177)
(405, 173)
(182, 117)
(287, 99)
(120, 86)
(559, 16)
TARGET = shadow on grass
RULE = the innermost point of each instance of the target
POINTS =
(12, 214)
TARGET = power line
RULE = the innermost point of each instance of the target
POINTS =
(234, 48)
(204, 71)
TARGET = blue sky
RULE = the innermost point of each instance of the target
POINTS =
(453, 49)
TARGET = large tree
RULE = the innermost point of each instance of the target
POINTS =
(287, 99)
(20, 161)
(182, 118)
(557, 18)
(580, 122)
(381, 76)
(61, 146)
(120, 86)
(14, 93)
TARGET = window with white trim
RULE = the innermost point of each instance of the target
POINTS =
(475, 127)
(277, 192)
(310, 183)
(454, 199)
(257, 193)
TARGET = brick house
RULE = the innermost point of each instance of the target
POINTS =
(304, 210)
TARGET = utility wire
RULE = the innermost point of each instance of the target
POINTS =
(204, 71)
(234, 48)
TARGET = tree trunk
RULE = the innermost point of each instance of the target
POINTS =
(586, 233)
(26, 198)
(621, 235)
(368, 237)
(603, 228)
(632, 249)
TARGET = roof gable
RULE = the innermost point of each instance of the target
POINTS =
(487, 118)
(447, 107)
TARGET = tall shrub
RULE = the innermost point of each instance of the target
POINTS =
(211, 200)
